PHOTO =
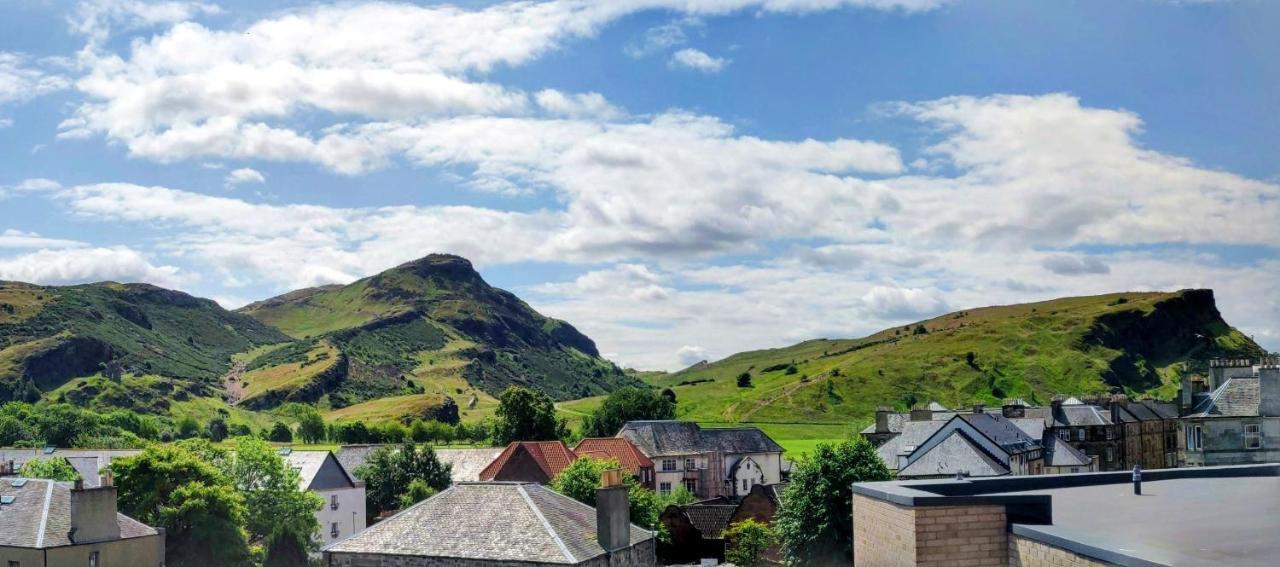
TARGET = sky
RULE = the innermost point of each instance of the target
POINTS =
(680, 179)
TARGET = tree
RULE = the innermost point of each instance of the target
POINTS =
(14, 431)
(61, 424)
(277, 511)
(582, 477)
(525, 415)
(390, 470)
(311, 426)
(744, 380)
(187, 427)
(216, 430)
(627, 404)
(280, 433)
(747, 541)
(815, 526)
(351, 432)
(418, 491)
(56, 468)
(171, 487)
(669, 395)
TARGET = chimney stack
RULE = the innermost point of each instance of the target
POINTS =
(93, 514)
(1269, 384)
(979, 408)
(613, 512)
(882, 419)
(1014, 409)
(921, 414)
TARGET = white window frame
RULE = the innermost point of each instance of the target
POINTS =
(1252, 436)
(1194, 439)
(1080, 434)
(333, 501)
(664, 488)
(94, 559)
(333, 529)
(690, 464)
(668, 465)
(1111, 454)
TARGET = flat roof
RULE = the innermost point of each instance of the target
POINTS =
(1192, 516)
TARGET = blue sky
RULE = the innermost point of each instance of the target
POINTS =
(680, 179)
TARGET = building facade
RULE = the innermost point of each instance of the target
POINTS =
(1234, 417)
(342, 514)
(46, 523)
(709, 462)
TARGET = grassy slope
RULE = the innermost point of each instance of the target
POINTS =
(1028, 351)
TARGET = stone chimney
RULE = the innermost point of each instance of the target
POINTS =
(979, 408)
(93, 514)
(1013, 409)
(1185, 395)
(1269, 376)
(613, 512)
(921, 414)
(882, 419)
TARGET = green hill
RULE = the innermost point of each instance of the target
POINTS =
(1134, 342)
(51, 335)
(430, 329)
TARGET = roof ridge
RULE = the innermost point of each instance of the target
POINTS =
(546, 524)
(44, 514)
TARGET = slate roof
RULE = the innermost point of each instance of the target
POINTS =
(1059, 453)
(491, 521)
(1002, 432)
(309, 464)
(895, 421)
(1078, 415)
(467, 463)
(352, 456)
(90, 463)
(1237, 397)
(955, 454)
(1163, 410)
(913, 434)
(618, 448)
(663, 438)
(711, 520)
(1032, 426)
(551, 456)
(40, 515)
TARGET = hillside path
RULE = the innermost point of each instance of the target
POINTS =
(233, 382)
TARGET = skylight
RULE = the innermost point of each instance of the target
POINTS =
(18, 482)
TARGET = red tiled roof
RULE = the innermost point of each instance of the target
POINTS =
(551, 456)
(631, 459)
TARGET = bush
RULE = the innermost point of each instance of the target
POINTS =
(56, 468)
(280, 433)
(746, 543)
(744, 380)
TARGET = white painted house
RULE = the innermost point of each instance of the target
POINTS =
(342, 514)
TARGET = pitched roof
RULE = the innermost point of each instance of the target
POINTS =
(955, 454)
(711, 520)
(1163, 410)
(492, 521)
(662, 438)
(40, 515)
(310, 464)
(894, 423)
(913, 434)
(1002, 432)
(1077, 416)
(618, 448)
(1032, 426)
(1059, 453)
(1237, 397)
(550, 456)
(353, 456)
(467, 463)
(88, 462)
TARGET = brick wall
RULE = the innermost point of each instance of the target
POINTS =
(1025, 552)
(959, 536)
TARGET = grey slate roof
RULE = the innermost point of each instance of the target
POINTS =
(658, 438)
(954, 454)
(1059, 453)
(711, 520)
(1032, 426)
(1002, 432)
(90, 463)
(352, 456)
(493, 521)
(467, 463)
(913, 434)
(895, 421)
(1078, 415)
(40, 515)
(1237, 397)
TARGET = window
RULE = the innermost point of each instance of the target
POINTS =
(333, 501)
(1075, 469)
(1111, 454)
(690, 464)
(691, 485)
(1080, 434)
(1193, 438)
(93, 559)
(1064, 434)
(15, 564)
(664, 488)
(744, 485)
(1252, 436)
(668, 464)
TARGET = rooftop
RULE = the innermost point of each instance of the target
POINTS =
(1237, 397)
(550, 456)
(661, 438)
(496, 521)
(1191, 516)
(40, 515)
(618, 448)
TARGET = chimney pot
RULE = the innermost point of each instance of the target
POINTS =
(613, 515)
(882, 419)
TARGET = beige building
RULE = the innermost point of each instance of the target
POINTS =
(45, 523)
(709, 462)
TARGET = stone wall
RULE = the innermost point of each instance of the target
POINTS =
(888, 534)
(640, 555)
(1024, 552)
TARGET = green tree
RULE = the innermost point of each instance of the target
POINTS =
(627, 404)
(390, 470)
(14, 431)
(187, 427)
(280, 433)
(816, 526)
(351, 432)
(525, 415)
(61, 424)
(744, 380)
(582, 477)
(171, 487)
(277, 510)
(747, 541)
(216, 430)
(418, 491)
(310, 426)
(56, 468)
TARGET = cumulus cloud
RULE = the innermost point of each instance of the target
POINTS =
(696, 60)
(242, 176)
(689, 355)
(21, 79)
(81, 265)
(889, 302)
(96, 18)
(1064, 265)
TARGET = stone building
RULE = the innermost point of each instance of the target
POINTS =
(343, 513)
(45, 523)
(709, 462)
(502, 524)
(1233, 418)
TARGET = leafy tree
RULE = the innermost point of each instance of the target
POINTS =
(286, 550)
(581, 478)
(431, 431)
(187, 427)
(352, 432)
(744, 380)
(747, 541)
(280, 433)
(627, 404)
(14, 431)
(525, 415)
(216, 430)
(311, 426)
(669, 395)
(56, 468)
(390, 470)
(277, 511)
(418, 491)
(815, 526)
(61, 424)
(171, 487)
(388, 432)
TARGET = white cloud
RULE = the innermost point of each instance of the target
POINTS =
(242, 176)
(588, 105)
(95, 18)
(689, 58)
(81, 265)
(20, 81)
(6, 122)
(1066, 265)
(11, 238)
(889, 302)
(689, 355)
